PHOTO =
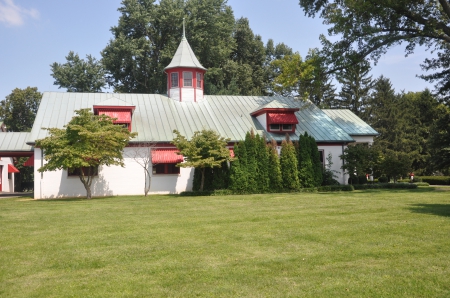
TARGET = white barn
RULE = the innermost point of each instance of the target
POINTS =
(187, 109)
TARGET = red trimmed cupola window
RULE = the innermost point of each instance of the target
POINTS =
(185, 84)
(122, 114)
(277, 120)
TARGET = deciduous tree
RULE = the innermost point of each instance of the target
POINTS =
(18, 110)
(78, 75)
(369, 28)
(206, 149)
(85, 143)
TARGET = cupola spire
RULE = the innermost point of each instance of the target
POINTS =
(185, 73)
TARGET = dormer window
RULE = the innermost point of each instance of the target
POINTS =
(187, 78)
(277, 119)
(121, 114)
(281, 122)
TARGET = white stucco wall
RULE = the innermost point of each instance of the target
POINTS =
(262, 119)
(336, 151)
(362, 139)
(111, 181)
(7, 184)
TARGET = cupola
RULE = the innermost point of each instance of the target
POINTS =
(185, 74)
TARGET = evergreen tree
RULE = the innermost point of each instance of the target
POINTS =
(262, 168)
(238, 171)
(356, 85)
(316, 162)
(251, 149)
(275, 177)
(305, 165)
(221, 177)
(289, 166)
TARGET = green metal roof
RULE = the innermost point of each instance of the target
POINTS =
(350, 123)
(14, 141)
(184, 57)
(156, 116)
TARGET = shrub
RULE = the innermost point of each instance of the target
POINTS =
(353, 180)
(436, 180)
(383, 179)
(386, 186)
(362, 179)
(336, 188)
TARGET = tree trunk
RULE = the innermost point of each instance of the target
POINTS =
(87, 186)
(203, 179)
(147, 185)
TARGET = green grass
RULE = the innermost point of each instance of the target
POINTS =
(374, 243)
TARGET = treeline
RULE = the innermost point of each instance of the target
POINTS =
(259, 167)
(414, 134)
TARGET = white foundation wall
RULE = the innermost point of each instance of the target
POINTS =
(111, 181)
(7, 184)
(336, 151)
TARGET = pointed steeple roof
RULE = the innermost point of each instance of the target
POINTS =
(184, 56)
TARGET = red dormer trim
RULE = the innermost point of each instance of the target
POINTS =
(122, 114)
(279, 120)
(274, 110)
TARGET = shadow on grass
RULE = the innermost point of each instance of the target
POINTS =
(433, 209)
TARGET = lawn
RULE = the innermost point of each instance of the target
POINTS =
(349, 244)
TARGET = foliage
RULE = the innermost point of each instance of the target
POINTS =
(292, 70)
(395, 165)
(305, 164)
(317, 86)
(141, 153)
(355, 87)
(329, 175)
(239, 173)
(252, 163)
(275, 177)
(78, 75)
(206, 149)
(440, 141)
(289, 166)
(24, 180)
(215, 178)
(19, 109)
(359, 160)
(370, 28)
(385, 186)
(147, 36)
(436, 180)
(87, 141)
(262, 164)
(327, 188)
(383, 179)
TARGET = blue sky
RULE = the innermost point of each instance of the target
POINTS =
(34, 34)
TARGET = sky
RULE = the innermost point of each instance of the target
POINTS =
(34, 34)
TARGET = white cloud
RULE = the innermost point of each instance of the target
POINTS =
(13, 15)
